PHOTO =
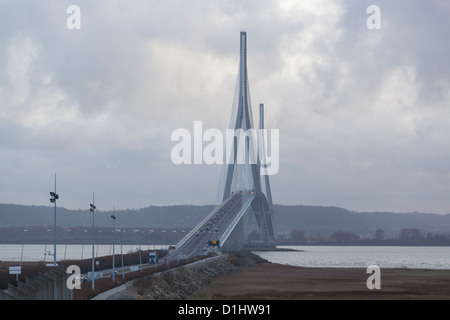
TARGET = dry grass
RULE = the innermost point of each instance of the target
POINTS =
(102, 285)
(279, 282)
(141, 285)
(85, 293)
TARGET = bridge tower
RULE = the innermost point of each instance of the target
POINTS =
(246, 176)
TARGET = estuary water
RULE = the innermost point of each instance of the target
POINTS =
(362, 256)
(306, 256)
(42, 252)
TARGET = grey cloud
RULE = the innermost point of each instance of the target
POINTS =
(138, 70)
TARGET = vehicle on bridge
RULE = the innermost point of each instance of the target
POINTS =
(153, 258)
(214, 243)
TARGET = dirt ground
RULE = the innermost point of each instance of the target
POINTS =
(270, 281)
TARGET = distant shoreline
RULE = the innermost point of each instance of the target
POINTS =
(324, 244)
(363, 243)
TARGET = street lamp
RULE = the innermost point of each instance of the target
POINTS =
(121, 254)
(140, 257)
(154, 249)
(92, 209)
(54, 197)
(21, 255)
(167, 249)
(65, 248)
(45, 249)
(82, 246)
(96, 252)
(114, 243)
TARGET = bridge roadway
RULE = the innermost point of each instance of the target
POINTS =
(198, 241)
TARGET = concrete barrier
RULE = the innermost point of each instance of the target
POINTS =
(39, 288)
(28, 289)
(16, 292)
(50, 285)
(6, 296)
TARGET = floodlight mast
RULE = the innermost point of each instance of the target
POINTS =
(54, 197)
(114, 244)
(92, 209)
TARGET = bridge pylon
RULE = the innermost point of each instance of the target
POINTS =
(242, 171)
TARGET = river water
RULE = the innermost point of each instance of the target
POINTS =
(306, 256)
(41, 252)
(362, 257)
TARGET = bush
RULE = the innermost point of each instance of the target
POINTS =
(141, 285)
(235, 260)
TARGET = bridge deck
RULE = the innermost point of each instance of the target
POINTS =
(197, 242)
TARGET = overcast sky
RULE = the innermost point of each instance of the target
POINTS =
(364, 115)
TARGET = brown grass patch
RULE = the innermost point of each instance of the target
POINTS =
(280, 282)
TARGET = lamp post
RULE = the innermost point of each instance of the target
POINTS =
(167, 248)
(21, 255)
(54, 197)
(140, 257)
(154, 249)
(45, 249)
(96, 252)
(114, 243)
(121, 254)
(92, 209)
(154, 245)
(65, 248)
(82, 246)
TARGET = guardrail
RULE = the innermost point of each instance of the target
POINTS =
(235, 221)
(198, 227)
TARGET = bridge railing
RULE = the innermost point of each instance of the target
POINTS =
(234, 222)
(198, 227)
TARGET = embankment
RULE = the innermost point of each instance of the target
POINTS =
(182, 283)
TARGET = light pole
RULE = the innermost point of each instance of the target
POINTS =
(167, 248)
(23, 240)
(154, 246)
(92, 209)
(45, 249)
(54, 197)
(140, 257)
(121, 254)
(114, 243)
(154, 249)
(65, 248)
(96, 252)
(82, 247)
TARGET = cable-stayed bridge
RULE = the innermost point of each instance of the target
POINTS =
(245, 190)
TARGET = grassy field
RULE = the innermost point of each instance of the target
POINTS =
(280, 282)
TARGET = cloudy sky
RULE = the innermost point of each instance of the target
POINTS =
(364, 115)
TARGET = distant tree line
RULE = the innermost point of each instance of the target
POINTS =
(83, 235)
(103, 235)
(341, 237)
